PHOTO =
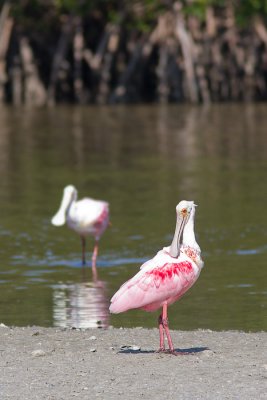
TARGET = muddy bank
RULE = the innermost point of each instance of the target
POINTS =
(48, 363)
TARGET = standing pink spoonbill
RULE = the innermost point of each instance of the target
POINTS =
(86, 217)
(166, 277)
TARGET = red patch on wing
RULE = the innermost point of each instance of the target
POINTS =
(102, 218)
(168, 270)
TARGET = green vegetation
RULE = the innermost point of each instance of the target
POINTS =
(140, 11)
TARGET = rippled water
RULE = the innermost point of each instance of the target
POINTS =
(143, 160)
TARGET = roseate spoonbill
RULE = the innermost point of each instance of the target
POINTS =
(86, 217)
(166, 277)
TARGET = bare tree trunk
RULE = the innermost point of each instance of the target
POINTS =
(203, 84)
(16, 76)
(4, 15)
(58, 59)
(162, 73)
(121, 89)
(260, 29)
(112, 48)
(188, 54)
(139, 58)
(94, 60)
(78, 45)
(250, 73)
(34, 91)
(211, 23)
(6, 25)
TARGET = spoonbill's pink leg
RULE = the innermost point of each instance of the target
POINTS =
(94, 257)
(165, 324)
(161, 335)
(164, 328)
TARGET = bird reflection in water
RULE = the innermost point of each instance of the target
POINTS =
(81, 305)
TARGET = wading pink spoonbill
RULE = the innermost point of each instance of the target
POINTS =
(86, 217)
(165, 278)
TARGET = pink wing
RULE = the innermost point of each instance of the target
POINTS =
(150, 288)
(102, 221)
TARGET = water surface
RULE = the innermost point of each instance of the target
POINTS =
(143, 160)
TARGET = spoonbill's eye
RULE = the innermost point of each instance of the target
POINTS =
(184, 211)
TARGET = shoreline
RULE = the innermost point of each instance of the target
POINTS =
(52, 363)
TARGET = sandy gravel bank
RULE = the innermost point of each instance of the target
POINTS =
(48, 363)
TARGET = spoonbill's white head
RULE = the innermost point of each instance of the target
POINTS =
(69, 195)
(184, 210)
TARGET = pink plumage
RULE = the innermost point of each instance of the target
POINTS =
(165, 278)
(160, 280)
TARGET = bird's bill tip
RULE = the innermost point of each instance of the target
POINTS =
(58, 220)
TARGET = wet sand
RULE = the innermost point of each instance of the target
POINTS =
(49, 363)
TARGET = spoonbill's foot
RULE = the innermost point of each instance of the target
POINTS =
(161, 350)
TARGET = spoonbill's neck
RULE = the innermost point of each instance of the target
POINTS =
(189, 239)
(69, 197)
